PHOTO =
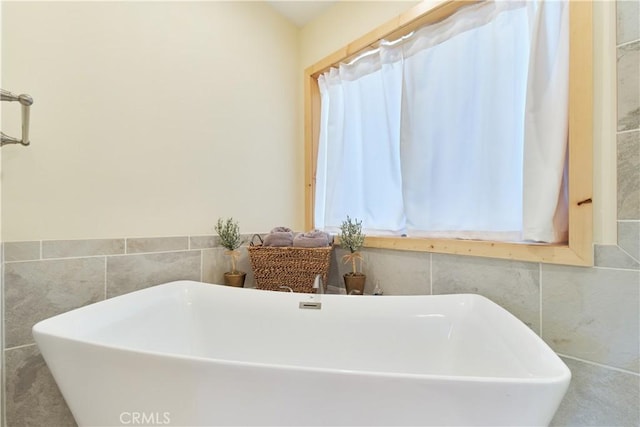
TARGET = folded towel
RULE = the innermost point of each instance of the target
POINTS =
(279, 237)
(312, 239)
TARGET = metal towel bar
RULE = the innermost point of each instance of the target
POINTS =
(25, 101)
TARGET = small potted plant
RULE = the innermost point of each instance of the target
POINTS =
(229, 234)
(351, 238)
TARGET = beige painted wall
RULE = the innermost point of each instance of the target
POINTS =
(155, 127)
(344, 22)
(150, 119)
(605, 124)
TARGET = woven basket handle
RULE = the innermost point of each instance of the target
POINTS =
(253, 238)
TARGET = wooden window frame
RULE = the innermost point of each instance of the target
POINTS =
(579, 249)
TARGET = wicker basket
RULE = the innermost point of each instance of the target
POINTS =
(293, 267)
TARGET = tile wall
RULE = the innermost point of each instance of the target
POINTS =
(45, 278)
(589, 316)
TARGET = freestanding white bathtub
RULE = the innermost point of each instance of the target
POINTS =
(194, 354)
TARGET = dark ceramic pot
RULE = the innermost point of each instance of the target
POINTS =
(354, 283)
(235, 279)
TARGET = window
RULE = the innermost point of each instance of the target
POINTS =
(395, 212)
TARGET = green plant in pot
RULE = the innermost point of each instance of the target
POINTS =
(229, 235)
(351, 238)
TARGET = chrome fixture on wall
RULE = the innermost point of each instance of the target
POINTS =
(25, 101)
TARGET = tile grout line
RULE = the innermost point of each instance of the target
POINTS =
(157, 252)
(105, 277)
(431, 271)
(630, 256)
(622, 132)
(540, 301)
(616, 268)
(202, 266)
(600, 365)
(627, 43)
(18, 347)
(103, 255)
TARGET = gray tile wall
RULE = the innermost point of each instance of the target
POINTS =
(32, 396)
(35, 290)
(45, 278)
(588, 315)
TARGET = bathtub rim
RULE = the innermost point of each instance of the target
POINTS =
(39, 332)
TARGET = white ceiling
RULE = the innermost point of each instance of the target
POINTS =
(302, 11)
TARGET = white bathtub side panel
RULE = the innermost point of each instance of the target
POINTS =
(102, 385)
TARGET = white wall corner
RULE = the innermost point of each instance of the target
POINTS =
(604, 124)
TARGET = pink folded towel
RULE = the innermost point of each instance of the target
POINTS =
(312, 239)
(279, 237)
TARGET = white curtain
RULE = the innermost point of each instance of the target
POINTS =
(458, 130)
(546, 124)
(358, 171)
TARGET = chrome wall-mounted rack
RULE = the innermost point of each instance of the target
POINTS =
(25, 101)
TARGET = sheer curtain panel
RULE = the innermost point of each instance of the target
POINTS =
(458, 130)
